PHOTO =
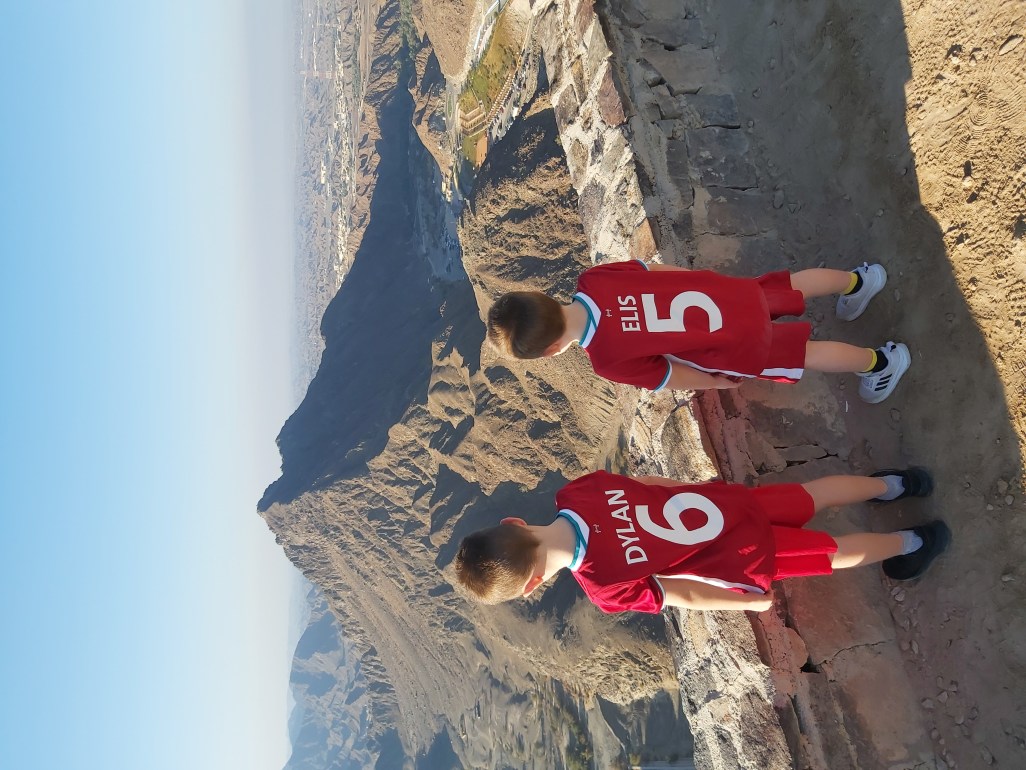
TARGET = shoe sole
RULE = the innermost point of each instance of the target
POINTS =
(861, 308)
(900, 350)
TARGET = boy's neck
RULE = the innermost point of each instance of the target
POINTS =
(557, 543)
(576, 317)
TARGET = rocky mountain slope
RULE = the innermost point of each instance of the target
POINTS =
(412, 434)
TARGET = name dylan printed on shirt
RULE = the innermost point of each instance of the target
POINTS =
(621, 509)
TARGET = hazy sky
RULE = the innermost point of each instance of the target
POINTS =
(145, 225)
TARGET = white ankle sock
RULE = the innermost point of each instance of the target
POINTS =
(910, 541)
(895, 488)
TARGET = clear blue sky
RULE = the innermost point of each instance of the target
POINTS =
(146, 155)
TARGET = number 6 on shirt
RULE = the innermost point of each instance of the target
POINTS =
(680, 303)
(677, 532)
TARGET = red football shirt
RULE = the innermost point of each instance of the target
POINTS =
(629, 534)
(639, 321)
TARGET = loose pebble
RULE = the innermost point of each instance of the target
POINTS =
(927, 704)
(1010, 45)
(987, 756)
(897, 295)
(990, 507)
(879, 212)
(900, 596)
(940, 683)
(960, 719)
(1007, 578)
(1002, 486)
(915, 647)
(943, 697)
(974, 712)
(1009, 500)
(953, 687)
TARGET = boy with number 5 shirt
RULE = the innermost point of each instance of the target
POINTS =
(657, 326)
(648, 543)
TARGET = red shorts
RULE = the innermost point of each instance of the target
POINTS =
(798, 552)
(786, 359)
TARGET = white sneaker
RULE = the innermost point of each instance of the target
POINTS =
(876, 386)
(851, 306)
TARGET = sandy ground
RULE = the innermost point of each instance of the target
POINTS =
(894, 132)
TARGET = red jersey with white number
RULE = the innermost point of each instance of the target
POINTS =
(630, 533)
(640, 321)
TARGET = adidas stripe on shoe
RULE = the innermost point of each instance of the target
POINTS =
(876, 386)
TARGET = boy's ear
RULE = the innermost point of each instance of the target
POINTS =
(514, 521)
(552, 350)
(534, 582)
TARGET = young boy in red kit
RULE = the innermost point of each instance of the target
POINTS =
(648, 543)
(657, 326)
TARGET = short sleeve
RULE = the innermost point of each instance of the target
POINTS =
(638, 595)
(649, 372)
(631, 265)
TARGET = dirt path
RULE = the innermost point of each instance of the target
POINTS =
(894, 132)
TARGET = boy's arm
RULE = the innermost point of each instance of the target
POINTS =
(658, 481)
(683, 377)
(681, 592)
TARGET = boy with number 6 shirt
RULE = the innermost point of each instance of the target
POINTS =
(648, 543)
(657, 326)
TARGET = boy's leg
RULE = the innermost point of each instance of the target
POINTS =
(824, 356)
(855, 287)
(867, 548)
(821, 281)
(880, 369)
(844, 490)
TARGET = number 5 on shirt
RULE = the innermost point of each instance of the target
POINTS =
(679, 304)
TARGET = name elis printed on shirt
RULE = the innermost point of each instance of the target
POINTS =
(630, 312)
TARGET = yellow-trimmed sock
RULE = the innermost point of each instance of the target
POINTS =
(872, 364)
(855, 285)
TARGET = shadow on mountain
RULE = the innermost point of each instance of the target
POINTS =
(378, 330)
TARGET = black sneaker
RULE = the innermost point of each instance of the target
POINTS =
(917, 482)
(936, 539)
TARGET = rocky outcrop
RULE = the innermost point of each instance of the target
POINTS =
(429, 106)
(449, 24)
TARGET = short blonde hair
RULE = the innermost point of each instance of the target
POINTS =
(495, 564)
(524, 324)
